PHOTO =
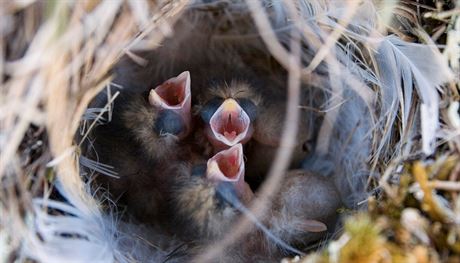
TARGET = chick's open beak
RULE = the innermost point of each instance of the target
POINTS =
(174, 94)
(230, 124)
(227, 166)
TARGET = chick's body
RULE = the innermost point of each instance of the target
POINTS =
(144, 153)
(304, 200)
(302, 210)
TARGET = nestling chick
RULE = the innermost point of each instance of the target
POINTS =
(158, 125)
(211, 199)
(198, 201)
(143, 144)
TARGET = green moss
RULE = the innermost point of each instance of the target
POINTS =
(365, 244)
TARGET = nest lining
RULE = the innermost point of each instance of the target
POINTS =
(85, 208)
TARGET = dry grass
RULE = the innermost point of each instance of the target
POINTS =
(55, 56)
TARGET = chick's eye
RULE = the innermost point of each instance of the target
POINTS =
(210, 108)
(249, 107)
(199, 170)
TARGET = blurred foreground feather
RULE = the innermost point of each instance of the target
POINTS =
(55, 56)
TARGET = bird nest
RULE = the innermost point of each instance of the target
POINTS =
(386, 129)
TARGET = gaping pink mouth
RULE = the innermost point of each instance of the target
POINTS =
(227, 165)
(174, 94)
(230, 123)
(171, 94)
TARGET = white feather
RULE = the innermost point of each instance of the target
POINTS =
(404, 65)
(70, 235)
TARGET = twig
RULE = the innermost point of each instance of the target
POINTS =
(445, 185)
(442, 15)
